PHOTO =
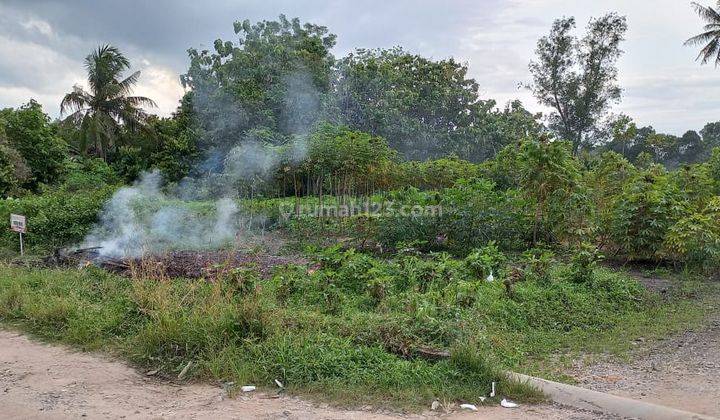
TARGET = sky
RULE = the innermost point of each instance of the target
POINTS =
(43, 44)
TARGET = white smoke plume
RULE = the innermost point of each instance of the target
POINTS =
(145, 218)
(130, 225)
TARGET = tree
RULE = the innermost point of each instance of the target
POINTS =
(425, 108)
(273, 78)
(13, 168)
(39, 149)
(623, 131)
(421, 106)
(100, 112)
(710, 138)
(690, 147)
(578, 78)
(548, 174)
(710, 38)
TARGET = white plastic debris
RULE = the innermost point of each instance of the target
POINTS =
(490, 278)
(469, 407)
(279, 384)
(435, 405)
(492, 392)
(247, 388)
(185, 370)
(508, 404)
(482, 399)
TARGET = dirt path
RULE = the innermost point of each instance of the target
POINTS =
(681, 371)
(42, 381)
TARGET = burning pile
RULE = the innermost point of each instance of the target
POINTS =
(175, 264)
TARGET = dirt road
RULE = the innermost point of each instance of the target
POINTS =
(42, 381)
(681, 371)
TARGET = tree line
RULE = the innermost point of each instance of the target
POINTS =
(279, 80)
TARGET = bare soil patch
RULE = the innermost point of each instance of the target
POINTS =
(682, 371)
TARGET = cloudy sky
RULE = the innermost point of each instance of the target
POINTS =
(43, 43)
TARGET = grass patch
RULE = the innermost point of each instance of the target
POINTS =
(355, 331)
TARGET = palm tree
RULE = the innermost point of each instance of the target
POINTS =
(711, 37)
(100, 112)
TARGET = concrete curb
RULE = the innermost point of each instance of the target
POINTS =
(597, 401)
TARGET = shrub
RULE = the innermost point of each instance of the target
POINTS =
(55, 218)
(643, 214)
(485, 260)
(436, 174)
(583, 263)
(695, 239)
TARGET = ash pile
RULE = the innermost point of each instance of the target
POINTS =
(190, 264)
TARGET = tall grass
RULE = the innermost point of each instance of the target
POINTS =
(351, 331)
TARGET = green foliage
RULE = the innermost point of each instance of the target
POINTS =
(549, 176)
(87, 174)
(606, 179)
(710, 36)
(346, 162)
(425, 108)
(583, 263)
(578, 77)
(486, 260)
(643, 213)
(167, 144)
(436, 174)
(14, 172)
(54, 219)
(28, 132)
(713, 165)
(538, 263)
(272, 78)
(695, 239)
(472, 214)
(354, 325)
(99, 115)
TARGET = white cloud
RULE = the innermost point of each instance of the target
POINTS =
(38, 25)
(162, 85)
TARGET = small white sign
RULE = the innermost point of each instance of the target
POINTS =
(17, 223)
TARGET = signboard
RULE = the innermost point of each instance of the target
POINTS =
(17, 223)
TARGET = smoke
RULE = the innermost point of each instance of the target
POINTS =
(141, 218)
(200, 212)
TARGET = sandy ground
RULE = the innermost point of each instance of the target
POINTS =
(43, 381)
(681, 371)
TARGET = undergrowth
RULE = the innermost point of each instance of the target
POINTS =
(354, 328)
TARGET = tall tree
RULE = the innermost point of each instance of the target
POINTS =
(273, 77)
(578, 77)
(710, 38)
(425, 108)
(100, 112)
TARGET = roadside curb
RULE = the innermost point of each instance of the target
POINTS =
(598, 401)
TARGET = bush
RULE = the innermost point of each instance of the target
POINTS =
(55, 218)
(436, 174)
(472, 214)
(87, 174)
(695, 239)
(643, 214)
(486, 260)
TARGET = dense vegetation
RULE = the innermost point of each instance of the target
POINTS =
(353, 330)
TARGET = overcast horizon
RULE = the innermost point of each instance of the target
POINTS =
(43, 44)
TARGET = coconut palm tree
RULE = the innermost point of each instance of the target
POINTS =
(711, 37)
(100, 112)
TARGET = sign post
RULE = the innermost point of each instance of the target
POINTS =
(17, 224)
